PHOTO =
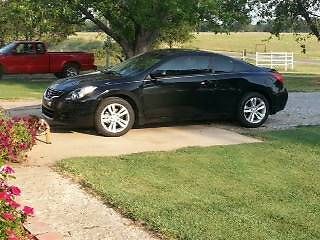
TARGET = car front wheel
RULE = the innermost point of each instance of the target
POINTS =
(253, 110)
(114, 117)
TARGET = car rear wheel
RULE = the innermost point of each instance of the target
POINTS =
(70, 70)
(253, 110)
(114, 117)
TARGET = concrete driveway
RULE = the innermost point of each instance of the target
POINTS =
(74, 144)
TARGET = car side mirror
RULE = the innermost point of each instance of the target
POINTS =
(158, 74)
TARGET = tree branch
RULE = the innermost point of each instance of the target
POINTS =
(306, 15)
(100, 24)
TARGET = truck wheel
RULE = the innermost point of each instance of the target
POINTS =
(1, 73)
(70, 70)
(114, 117)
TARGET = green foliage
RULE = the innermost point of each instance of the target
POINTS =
(26, 20)
(251, 191)
(294, 13)
(137, 25)
(176, 35)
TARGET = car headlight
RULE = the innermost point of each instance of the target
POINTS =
(80, 93)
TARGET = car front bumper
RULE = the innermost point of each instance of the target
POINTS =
(71, 113)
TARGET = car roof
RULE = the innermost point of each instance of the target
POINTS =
(181, 51)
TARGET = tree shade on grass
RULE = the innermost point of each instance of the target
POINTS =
(265, 190)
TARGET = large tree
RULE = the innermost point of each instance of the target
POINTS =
(136, 25)
(284, 13)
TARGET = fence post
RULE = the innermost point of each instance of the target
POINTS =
(286, 62)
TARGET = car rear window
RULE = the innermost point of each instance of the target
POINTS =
(222, 64)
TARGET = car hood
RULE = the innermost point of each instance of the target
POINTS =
(91, 79)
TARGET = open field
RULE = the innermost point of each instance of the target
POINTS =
(233, 42)
(251, 191)
(237, 42)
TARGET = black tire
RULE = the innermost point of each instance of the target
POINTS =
(248, 112)
(105, 128)
(58, 75)
(70, 70)
(1, 72)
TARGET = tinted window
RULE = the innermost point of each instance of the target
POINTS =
(40, 48)
(222, 64)
(186, 65)
(240, 66)
(136, 65)
(25, 48)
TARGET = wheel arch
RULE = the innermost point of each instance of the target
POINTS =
(73, 62)
(260, 91)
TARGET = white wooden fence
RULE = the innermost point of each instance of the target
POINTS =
(274, 59)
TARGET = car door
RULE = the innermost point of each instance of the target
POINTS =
(178, 89)
(26, 59)
(39, 62)
(18, 58)
(226, 87)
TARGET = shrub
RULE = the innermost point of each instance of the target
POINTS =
(12, 215)
(17, 136)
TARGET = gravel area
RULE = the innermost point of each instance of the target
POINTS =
(302, 109)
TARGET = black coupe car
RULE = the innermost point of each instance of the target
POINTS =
(166, 85)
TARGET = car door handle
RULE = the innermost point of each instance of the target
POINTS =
(205, 83)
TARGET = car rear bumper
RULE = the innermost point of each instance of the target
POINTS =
(74, 114)
(279, 101)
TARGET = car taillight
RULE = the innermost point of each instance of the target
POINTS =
(279, 77)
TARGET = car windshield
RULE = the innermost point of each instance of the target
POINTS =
(135, 65)
(8, 48)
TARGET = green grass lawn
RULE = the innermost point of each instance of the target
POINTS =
(300, 82)
(20, 88)
(265, 190)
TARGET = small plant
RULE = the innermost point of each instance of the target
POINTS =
(17, 136)
(12, 214)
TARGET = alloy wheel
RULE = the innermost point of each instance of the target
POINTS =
(115, 118)
(255, 110)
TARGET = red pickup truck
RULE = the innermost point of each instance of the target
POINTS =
(32, 57)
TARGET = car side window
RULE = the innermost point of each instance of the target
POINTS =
(185, 65)
(40, 48)
(25, 48)
(222, 64)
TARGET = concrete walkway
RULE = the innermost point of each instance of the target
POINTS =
(73, 212)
